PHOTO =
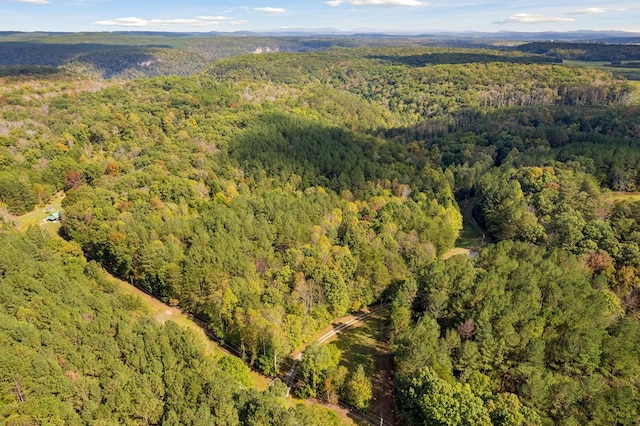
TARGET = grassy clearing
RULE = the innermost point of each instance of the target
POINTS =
(457, 251)
(365, 343)
(470, 238)
(359, 343)
(616, 197)
(600, 65)
(470, 235)
(37, 216)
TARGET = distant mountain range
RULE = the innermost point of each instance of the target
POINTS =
(582, 36)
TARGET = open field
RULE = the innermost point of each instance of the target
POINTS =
(601, 65)
(616, 197)
(456, 251)
(633, 74)
(365, 343)
(471, 237)
(38, 215)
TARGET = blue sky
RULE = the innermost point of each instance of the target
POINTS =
(347, 15)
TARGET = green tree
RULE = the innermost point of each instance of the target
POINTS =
(428, 399)
(317, 361)
(359, 390)
(16, 192)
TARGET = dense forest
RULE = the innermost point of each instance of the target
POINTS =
(268, 195)
(584, 51)
(75, 352)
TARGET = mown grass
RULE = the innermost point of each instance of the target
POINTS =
(365, 343)
(359, 343)
(456, 251)
(38, 215)
(470, 236)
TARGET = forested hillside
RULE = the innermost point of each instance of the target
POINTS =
(128, 55)
(584, 51)
(76, 352)
(271, 194)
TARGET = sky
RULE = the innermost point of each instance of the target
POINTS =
(345, 15)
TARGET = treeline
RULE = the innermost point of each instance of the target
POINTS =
(561, 206)
(438, 83)
(129, 55)
(77, 352)
(102, 61)
(516, 336)
(584, 51)
(601, 141)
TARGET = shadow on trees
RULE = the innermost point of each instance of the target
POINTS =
(307, 153)
(585, 51)
(109, 59)
(459, 58)
(31, 70)
(56, 54)
(319, 155)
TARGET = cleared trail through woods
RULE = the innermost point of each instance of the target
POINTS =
(472, 236)
(341, 325)
(327, 334)
(338, 326)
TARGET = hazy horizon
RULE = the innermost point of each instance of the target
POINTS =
(386, 16)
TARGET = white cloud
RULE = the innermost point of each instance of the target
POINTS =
(527, 18)
(34, 1)
(125, 22)
(198, 21)
(212, 18)
(377, 2)
(589, 11)
(270, 9)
